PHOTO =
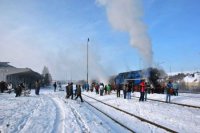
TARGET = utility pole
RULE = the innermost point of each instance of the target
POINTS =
(87, 59)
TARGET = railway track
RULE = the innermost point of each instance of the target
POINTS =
(85, 127)
(121, 124)
(133, 115)
(186, 105)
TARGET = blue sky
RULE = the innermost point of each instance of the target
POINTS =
(34, 33)
(174, 30)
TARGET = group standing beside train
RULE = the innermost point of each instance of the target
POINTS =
(144, 87)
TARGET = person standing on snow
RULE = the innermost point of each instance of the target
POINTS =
(18, 90)
(108, 89)
(71, 91)
(169, 88)
(129, 91)
(118, 90)
(105, 88)
(87, 86)
(147, 88)
(97, 88)
(142, 90)
(124, 90)
(176, 87)
(101, 87)
(78, 92)
(92, 87)
(67, 91)
(55, 86)
(3, 86)
(37, 87)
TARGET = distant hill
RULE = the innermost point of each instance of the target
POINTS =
(192, 77)
(188, 80)
(186, 76)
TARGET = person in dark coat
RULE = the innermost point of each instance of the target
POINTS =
(67, 91)
(129, 91)
(105, 88)
(37, 87)
(118, 90)
(125, 88)
(169, 88)
(1, 86)
(71, 91)
(78, 93)
(97, 88)
(55, 86)
(18, 90)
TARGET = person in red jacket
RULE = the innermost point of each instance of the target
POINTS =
(142, 90)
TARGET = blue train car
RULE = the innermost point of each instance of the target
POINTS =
(121, 78)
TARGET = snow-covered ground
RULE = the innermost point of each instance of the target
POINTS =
(50, 112)
(194, 77)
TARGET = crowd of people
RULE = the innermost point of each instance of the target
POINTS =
(99, 88)
(73, 90)
(145, 88)
(127, 88)
(20, 88)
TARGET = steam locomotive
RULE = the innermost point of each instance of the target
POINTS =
(151, 77)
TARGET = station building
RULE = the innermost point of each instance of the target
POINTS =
(15, 75)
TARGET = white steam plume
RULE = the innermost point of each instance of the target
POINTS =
(126, 15)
